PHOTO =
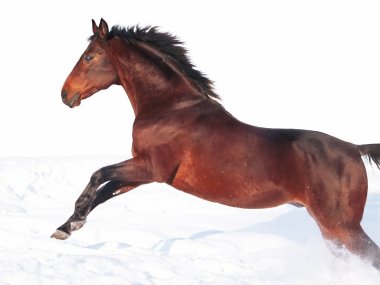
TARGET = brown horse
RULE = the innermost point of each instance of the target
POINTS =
(183, 137)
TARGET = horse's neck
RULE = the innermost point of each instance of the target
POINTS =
(150, 80)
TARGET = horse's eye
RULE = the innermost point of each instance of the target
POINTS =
(88, 57)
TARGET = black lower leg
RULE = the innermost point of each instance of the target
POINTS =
(107, 192)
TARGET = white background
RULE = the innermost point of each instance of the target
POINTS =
(289, 64)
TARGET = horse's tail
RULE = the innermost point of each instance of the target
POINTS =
(372, 151)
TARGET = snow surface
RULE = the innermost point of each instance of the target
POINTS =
(157, 235)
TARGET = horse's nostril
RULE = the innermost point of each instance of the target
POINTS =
(63, 95)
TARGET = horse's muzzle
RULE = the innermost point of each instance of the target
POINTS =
(71, 103)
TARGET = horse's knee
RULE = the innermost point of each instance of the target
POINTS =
(102, 175)
(96, 177)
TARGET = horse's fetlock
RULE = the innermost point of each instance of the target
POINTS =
(76, 225)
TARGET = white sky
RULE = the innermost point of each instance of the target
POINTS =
(289, 64)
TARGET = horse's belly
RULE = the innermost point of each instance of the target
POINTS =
(232, 189)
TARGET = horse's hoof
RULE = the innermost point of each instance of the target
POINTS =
(60, 235)
(74, 226)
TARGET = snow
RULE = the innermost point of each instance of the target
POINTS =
(157, 235)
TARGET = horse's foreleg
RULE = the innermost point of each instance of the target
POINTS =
(122, 178)
(112, 189)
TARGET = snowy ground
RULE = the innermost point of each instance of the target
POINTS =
(156, 235)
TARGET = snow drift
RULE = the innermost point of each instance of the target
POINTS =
(157, 235)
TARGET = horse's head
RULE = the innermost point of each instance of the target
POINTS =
(94, 70)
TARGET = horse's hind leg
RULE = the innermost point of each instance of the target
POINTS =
(338, 213)
(355, 240)
(359, 243)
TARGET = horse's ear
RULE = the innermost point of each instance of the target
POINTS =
(95, 28)
(103, 29)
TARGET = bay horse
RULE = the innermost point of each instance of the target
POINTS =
(182, 136)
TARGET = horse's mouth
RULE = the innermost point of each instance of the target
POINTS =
(75, 101)
(77, 98)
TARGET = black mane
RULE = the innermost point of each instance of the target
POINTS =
(171, 46)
